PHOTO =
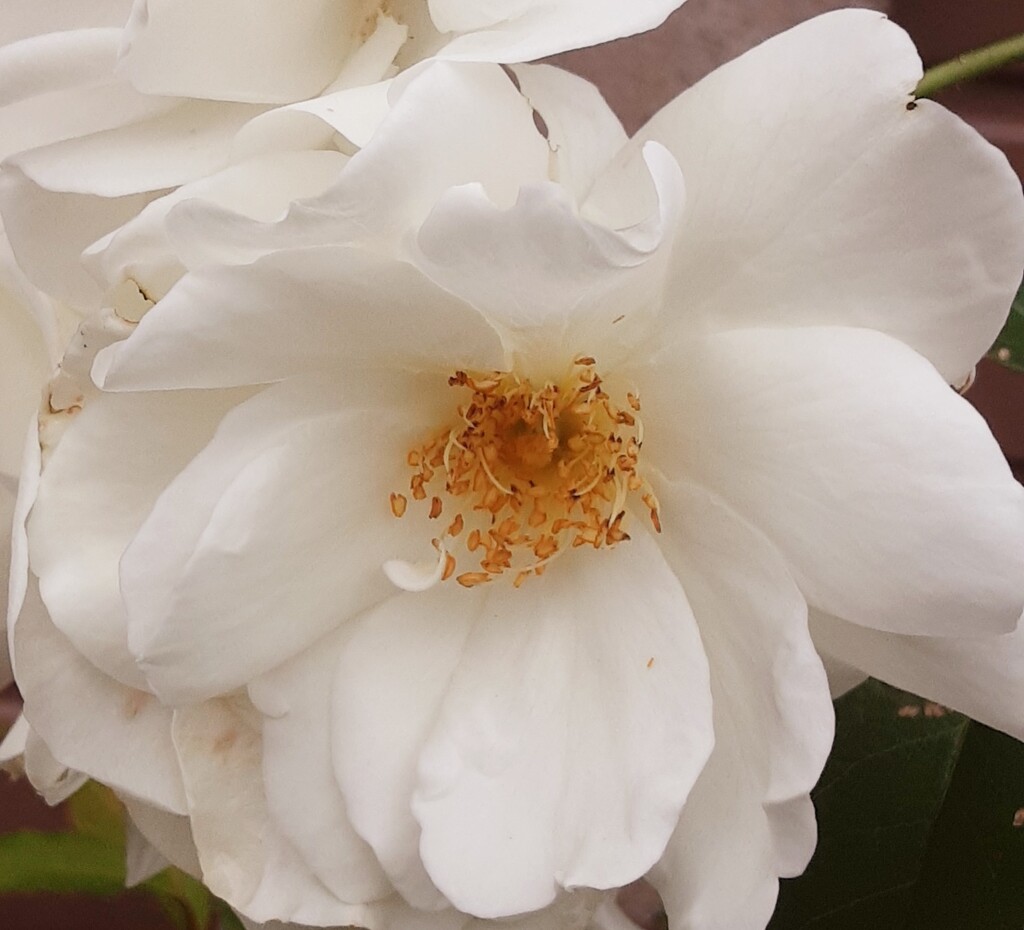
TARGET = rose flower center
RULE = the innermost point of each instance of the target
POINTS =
(529, 472)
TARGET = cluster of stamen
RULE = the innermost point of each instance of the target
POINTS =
(531, 473)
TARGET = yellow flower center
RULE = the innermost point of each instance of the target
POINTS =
(530, 472)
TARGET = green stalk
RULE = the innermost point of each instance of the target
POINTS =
(971, 65)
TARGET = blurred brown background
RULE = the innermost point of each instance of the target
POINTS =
(638, 76)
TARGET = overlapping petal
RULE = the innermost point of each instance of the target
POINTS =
(553, 283)
(89, 721)
(523, 30)
(748, 820)
(882, 487)
(904, 220)
(219, 591)
(453, 703)
(302, 311)
(441, 131)
(303, 797)
(980, 677)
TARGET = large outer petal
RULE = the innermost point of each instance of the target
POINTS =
(817, 196)
(218, 590)
(982, 677)
(517, 716)
(748, 820)
(99, 484)
(290, 313)
(522, 30)
(238, 49)
(882, 487)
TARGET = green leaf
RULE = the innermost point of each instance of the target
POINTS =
(1009, 347)
(916, 813)
(95, 811)
(227, 919)
(973, 874)
(62, 862)
(186, 901)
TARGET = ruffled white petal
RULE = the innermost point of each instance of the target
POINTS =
(553, 283)
(981, 677)
(296, 312)
(389, 683)
(302, 795)
(452, 697)
(746, 822)
(219, 590)
(169, 833)
(583, 133)
(54, 781)
(442, 130)
(62, 85)
(142, 860)
(882, 487)
(819, 195)
(243, 856)
(261, 189)
(601, 657)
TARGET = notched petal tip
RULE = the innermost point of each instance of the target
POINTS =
(417, 576)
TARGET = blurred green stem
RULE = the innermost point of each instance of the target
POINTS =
(971, 65)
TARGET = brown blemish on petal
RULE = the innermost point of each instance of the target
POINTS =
(134, 702)
(226, 740)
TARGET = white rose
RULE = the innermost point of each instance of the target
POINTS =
(107, 104)
(30, 343)
(784, 271)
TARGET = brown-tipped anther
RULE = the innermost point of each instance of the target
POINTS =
(532, 471)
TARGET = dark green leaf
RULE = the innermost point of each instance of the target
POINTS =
(227, 919)
(95, 811)
(973, 873)
(186, 901)
(60, 862)
(1009, 347)
(879, 795)
(916, 813)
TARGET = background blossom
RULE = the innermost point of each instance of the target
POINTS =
(110, 105)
